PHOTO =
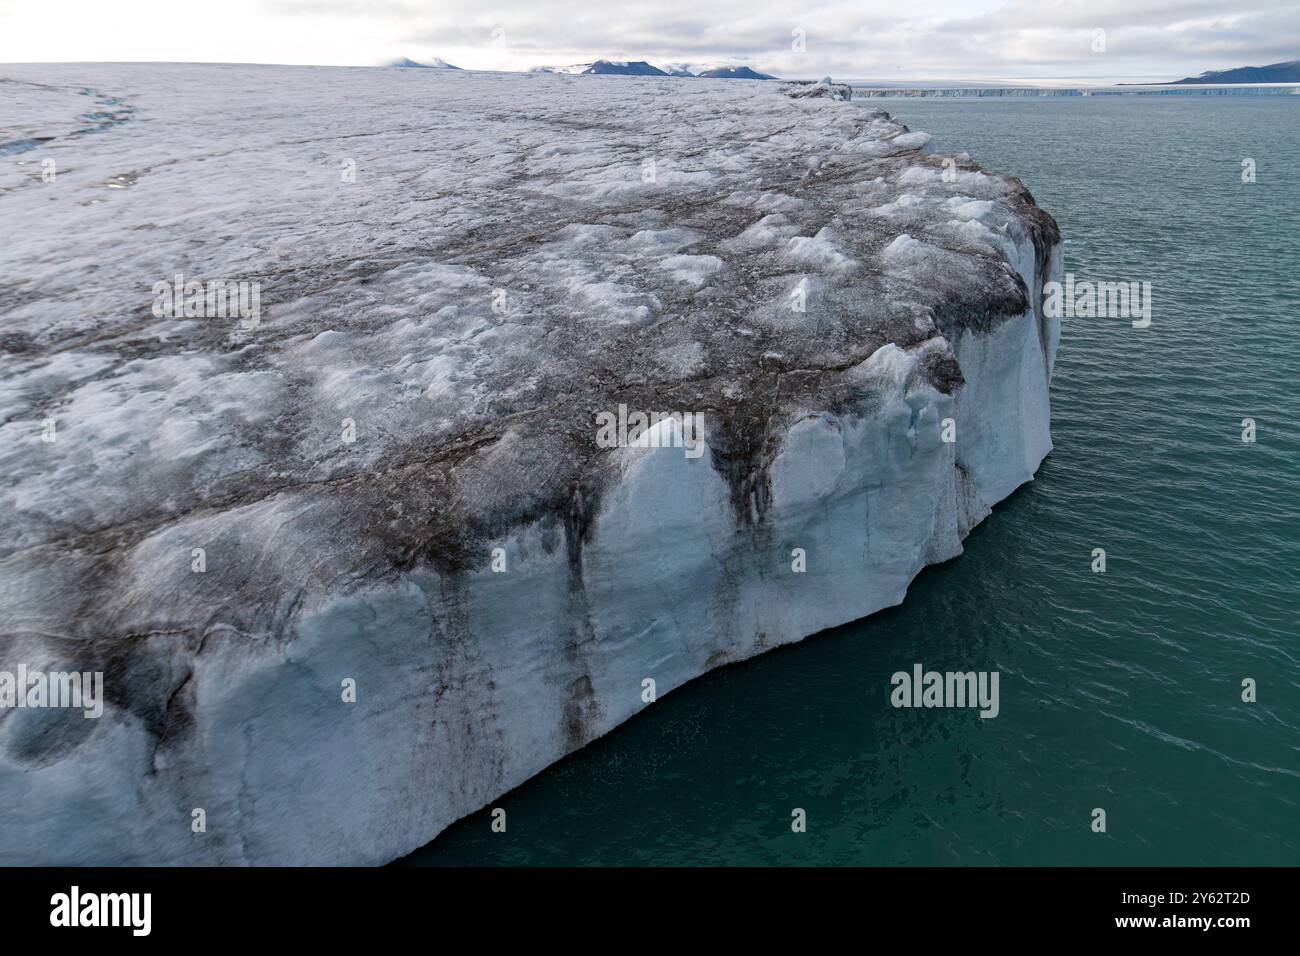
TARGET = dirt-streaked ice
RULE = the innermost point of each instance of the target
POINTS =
(468, 268)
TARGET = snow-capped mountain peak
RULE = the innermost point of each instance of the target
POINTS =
(643, 68)
(437, 63)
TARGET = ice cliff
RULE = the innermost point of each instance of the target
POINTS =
(458, 273)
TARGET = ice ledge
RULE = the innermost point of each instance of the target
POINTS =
(374, 561)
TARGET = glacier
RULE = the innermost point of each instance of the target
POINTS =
(391, 481)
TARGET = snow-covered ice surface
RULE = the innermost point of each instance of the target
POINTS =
(515, 255)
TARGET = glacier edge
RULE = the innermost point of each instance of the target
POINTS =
(371, 564)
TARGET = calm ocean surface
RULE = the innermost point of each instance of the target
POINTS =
(1119, 690)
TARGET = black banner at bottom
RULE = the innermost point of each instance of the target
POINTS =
(332, 906)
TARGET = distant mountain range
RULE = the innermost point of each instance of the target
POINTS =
(642, 68)
(613, 68)
(1288, 72)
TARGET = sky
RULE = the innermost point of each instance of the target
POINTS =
(887, 40)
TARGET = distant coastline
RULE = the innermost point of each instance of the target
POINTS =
(1287, 72)
(1289, 89)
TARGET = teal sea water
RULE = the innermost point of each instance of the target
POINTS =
(1119, 690)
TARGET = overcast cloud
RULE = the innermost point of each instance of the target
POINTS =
(866, 39)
